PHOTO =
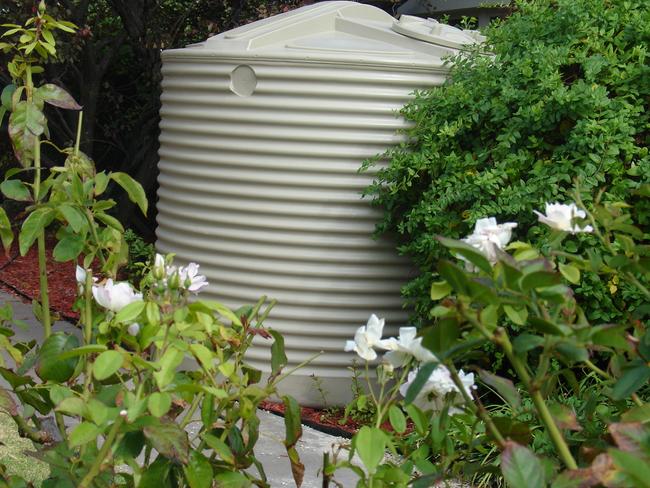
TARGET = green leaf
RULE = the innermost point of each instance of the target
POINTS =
(440, 337)
(292, 423)
(538, 279)
(220, 447)
(157, 474)
(107, 364)
(397, 419)
(168, 363)
(517, 315)
(16, 190)
(110, 221)
(69, 248)
(72, 406)
(468, 252)
(6, 233)
(198, 472)
(101, 182)
(169, 440)
(503, 387)
(5, 96)
(132, 188)
(570, 272)
(130, 446)
(73, 216)
(83, 433)
(28, 117)
(521, 468)
(278, 356)
(455, 276)
(419, 418)
(231, 479)
(370, 445)
(57, 96)
(634, 377)
(159, 403)
(33, 225)
(551, 328)
(130, 312)
(526, 342)
(203, 355)
(572, 352)
(440, 289)
(49, 365)
(222, 310)
(83, 350)
(207, 411)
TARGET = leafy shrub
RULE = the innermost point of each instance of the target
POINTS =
(564, 97)
(141, 253)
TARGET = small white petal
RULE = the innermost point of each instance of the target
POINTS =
(80, 275)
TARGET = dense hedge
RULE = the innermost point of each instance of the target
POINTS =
(563, 97)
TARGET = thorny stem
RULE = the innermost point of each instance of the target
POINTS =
(501, 338)
(78, 139)
(103, 453)
(296, 368)
(191, 410)
(39, 436)
(88, 309)
(42, 262)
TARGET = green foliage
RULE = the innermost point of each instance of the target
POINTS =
(141, 254)
(563, 97)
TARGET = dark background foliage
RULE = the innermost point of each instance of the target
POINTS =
(112, 67)
(564, 98)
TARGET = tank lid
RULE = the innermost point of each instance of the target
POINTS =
(430, 30)
(336, 31)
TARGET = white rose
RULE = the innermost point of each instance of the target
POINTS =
(560, 217)
(490, 237)
(366, 338)
(115, 296)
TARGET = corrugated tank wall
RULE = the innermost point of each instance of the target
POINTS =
(264, 192)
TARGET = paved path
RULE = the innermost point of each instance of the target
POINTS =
(269, 449)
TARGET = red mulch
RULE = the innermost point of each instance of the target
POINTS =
(19, 276)
(325, 420)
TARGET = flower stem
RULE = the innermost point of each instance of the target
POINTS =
(42, 261)
(103, 453)
(502, 339)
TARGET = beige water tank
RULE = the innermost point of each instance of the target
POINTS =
(263, 131)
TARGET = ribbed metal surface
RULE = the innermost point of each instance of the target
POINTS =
(264, 192)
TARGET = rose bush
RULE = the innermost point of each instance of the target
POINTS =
(574, 411)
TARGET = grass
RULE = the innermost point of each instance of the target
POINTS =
(13, 454)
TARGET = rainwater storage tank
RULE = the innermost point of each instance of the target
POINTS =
(263, 131)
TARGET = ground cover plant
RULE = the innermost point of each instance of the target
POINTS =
(562, 94)
(109, 406)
